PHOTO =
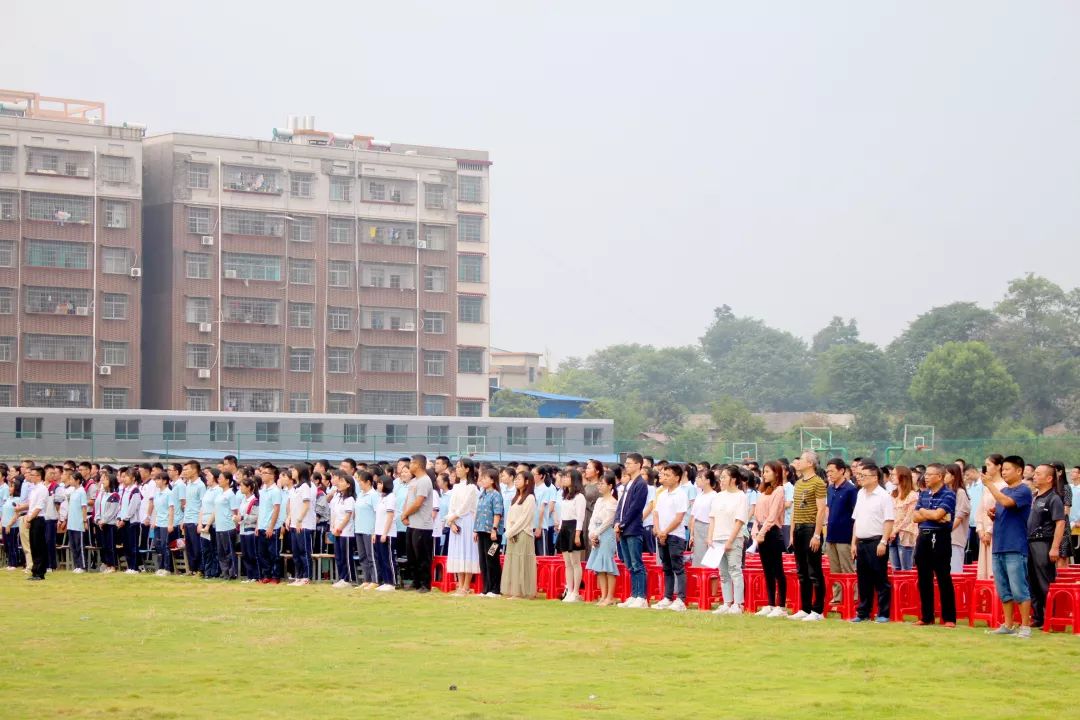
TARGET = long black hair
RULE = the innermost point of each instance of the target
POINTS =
(577, 486)
(470, 470)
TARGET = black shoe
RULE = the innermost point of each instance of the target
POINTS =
(34, 578)
(423, 590)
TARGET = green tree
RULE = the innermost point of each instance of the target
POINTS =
(735, 423)
(957, 322)
(507, 403)
(963, 389)
(626, 412)
(835, 333)
(853, 376)
(688, 444)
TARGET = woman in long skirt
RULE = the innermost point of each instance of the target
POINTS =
(519, 569)
(602, 539)
(462, 558)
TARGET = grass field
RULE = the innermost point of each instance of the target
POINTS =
(147, 647)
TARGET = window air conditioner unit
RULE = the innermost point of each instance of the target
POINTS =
(204, 373)
(136, 272)
(230, 274)
(105, 370)
(205, 327)
(82, 310)
(207, 240)
(421, 244)
(408, 327)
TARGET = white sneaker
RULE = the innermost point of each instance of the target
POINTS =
(801, 615)
(341, 584)
(662, 605)
(78, 571)
(386, 588)
(778, 612)
(161, 572)
(813, 617)
(626, 603)
(131, 572)
(722, 610)
(735, 610)
(571, 598)
(249, 580)
(764, 612)
(493, 595)
(678, 605)
(640, 604)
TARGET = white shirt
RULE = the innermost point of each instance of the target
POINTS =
(703, 507)
(148, 491)
(299, 494)
(385, 506)
(668, 506)
(872, 512)
(727, 508)
(340, 507)
(52, 509)
(573, 509)
(39, 499)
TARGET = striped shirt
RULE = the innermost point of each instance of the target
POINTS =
(804, 504)
(943, 498)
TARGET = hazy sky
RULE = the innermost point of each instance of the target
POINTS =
(794, 160)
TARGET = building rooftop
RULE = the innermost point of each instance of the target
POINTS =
(552, 396)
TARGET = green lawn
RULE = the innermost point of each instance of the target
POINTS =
(147, 647)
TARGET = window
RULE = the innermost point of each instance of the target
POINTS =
(300, 184)
(198, 220)
(7, 396)
(252, 267)
(252, 311)
(252, 179)
(198, 356)
(341, 189)
(470, 309)
(69, 256)
(470, 228)
(470, 268)
(115, 169)
(555, 437)
(251, 356)
(385, 402)
(470, 189)
(252, 400)
(79, 428)
(438, 434)
(197, 266)
(268, 432)
(384, 359)
(69, 348)
(114, 306)
(126, 429)
(471, 360)
(434, 405)
(339, 360)
(7, 253)
(434, 364)
(338, 403)
(174, 430)
(339, 318)
(394, 276)
(435, 237)
(355, 433)
(300, 314)
(435, 279)
(301, 360)
(339, 273)
(56, 301)
(7, 159)
(28, 428)
(7, 349)
(434, 323)
(197, 400)
(302, 229)
(58, 162)
(299, 402)
(311, 432)
(59, 208)
(114, 398)
(594, 437)
(397, 434)
(198, 176)
(116, 261)
(114, 353)
(7, 206)
(389, 234)
(222, 431)
(197, 310)
(517, 436)
(301, 272)
(377, 191)
(251, 222)
(117, 214)
(476, 434)
(340, 231)
(434, 196)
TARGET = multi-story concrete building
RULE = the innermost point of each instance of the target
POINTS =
(70, 255)
(514, 370)
(315, 274)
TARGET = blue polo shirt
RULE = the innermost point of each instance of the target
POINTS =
(944, 498)
(1010, 524)
(269, 498)
(841, 501)
(975, 493)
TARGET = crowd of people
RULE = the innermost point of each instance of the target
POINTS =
(385, 522)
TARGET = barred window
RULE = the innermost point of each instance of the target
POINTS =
(392, 276)
(300, 314)
(252, 400)
(376, 191)
(58, 301)
(301, 272)
(434, 363)
(434, 405)
(470, 189)
(435, 279)
(71, 348)
(437, 434)
(311, 432)
(387, 319)
(7, 349)
(301, 360)
(251, 311)
(384, 359)
(198, 176)
(197, 266)
(197, 400)
(435, 237)
(198, 356)
(197, 310)
(115, 169)
(252, 267)
(339, 318)
(117, 399)
(339, 360)
(389, 234)
(302, 229)
(470, 309)
(470, 408)
(7, 301)
(339, 404)
(7, 396)
(470, 361)
(434, 196)
(252, 222)
(341, 189)
(470, 268)
(222, 431)
(198, 220)
(49, 253)
(115, 261)
(386, 402)
(60, 208)
(341, 231)
(7, 206)
(251, 356)
(470, 228)
(117, 214)
(114, 353)
(300, 184)
(7, 159)
(355, 433)
(114, 306)
(68, 163)
(252, 179)
(299, 402)
(397, 434)
(435, 323)
(56, 395)
(339, 273)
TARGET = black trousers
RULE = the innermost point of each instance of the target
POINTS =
(873, 572)
(490, 569)
(933, 558)
(771, 550)
(1041, 572)
(419, 549)
(37, 547)
(972, 553)
(811, 576)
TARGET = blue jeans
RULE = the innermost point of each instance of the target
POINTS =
(902, 558)
(1010, 577)
(630, 551)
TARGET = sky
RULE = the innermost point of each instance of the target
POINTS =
(652, 161)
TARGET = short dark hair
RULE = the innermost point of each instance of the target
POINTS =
(636, 457)
(642, 459)
(839, 463)
(387, 482)
(350, 461)
(1015, 461)
(444, 458)
(230, 458)
(676, 470)
(198, 467)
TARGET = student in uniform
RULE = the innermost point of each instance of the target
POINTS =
(128, 523)
(342, 509)
(76, 519)
(35, 517)
(106, 512)
(194, 490)
(226, 503)
(385, 528)
(269, 510)
(571, 524)
(364, 529)
(699, 515)
(246, 516)
(163, 513)
(463, 560)
(11, 523)
(302, 522)
(52, 512)
(204, 529)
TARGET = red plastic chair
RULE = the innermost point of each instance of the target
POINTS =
(905, 594)
(794, 598)
(699, 586)
(985, 605)
(440, 579)
(755, 595)
(550, 576)
(654, 582)
(591, 591)
(622, 582)
(848, 583)
(1062, 607)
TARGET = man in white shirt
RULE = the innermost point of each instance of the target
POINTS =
(873, 516)
(669, 516)
(35, 517)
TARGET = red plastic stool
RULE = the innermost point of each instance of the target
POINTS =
(1062, 607)
(905, 594)
(441, 579)
(985, 604)
(591, 592)
(794, 598)
(654, 582)
(754, 594)
(699, 584)
(550, 576)
(847, 582)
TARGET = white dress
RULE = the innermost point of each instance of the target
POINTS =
(462, 556)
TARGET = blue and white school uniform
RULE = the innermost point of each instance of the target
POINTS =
(341, 516)
(76, 503)
(384, 560)
(12, 546)
(163, 502)
(364, 530)
(106, 511)
(302, 503)
(193, 496)
(249, 519)
(269, 500)
(226, 503)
